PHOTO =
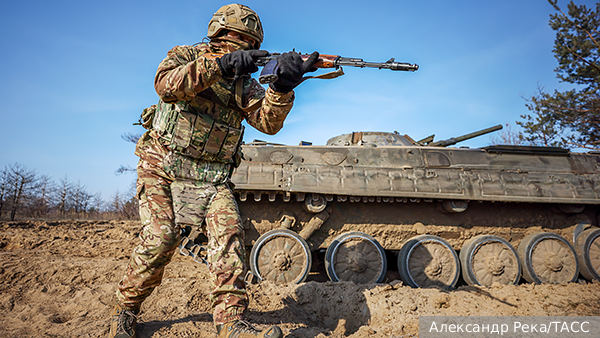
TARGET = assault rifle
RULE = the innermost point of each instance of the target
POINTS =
(269, 72)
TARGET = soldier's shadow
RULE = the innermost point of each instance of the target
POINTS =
(317, 308)
(149, 328)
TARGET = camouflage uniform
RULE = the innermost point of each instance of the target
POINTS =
(187, 185)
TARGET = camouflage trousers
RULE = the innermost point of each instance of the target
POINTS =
(162, 211)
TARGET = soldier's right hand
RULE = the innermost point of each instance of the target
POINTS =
(240, 62)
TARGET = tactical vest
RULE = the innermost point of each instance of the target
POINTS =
(207, 128)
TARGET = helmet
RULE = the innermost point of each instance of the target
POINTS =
(238, 18)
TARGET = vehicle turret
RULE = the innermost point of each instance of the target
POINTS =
(369, 138)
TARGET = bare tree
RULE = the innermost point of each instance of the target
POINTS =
(115, 202)
(130, 207)
(80, 198)
(125, 204)
(508, 136)
(97, 204)
(4, 187)
(41, 201)
(63, 195)
(130, 137)
(23, 182)
(27, 194)
(124, 169)
(133, 138)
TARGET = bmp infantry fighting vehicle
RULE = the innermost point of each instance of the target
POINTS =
(370, 203)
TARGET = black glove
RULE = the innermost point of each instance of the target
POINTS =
(291, 69)
(240, 62)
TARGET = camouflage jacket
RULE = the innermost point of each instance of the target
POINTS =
(190, 77)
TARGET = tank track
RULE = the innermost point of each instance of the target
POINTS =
(554, 221)
(300, 220)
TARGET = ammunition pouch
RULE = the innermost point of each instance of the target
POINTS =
(195, 134)
(190, 201)
(147, 117)
(185, 168)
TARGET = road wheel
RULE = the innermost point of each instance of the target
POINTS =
(547, 258)
(488, 259)
(428, 261)
(281, 256)
(587, 247)
(357, 257)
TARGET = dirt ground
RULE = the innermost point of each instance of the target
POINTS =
(57, 279)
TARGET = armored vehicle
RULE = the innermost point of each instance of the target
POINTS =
(374, 206)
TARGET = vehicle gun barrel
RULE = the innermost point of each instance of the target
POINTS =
(455, 140)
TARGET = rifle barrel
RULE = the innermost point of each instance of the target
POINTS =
(391, 64)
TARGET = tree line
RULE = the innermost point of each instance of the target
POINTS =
(25, 194)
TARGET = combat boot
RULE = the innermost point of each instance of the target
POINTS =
(122, 324)
(243, 329)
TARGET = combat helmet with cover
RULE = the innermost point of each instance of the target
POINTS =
(238, 18)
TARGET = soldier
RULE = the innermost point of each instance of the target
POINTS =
(187, 156)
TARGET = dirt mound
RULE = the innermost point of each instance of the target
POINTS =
(58, 280)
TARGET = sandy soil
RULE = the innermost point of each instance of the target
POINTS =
(57, 279)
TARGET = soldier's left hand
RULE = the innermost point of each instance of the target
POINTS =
(291, 69)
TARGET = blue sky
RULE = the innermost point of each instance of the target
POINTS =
(77, 74)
